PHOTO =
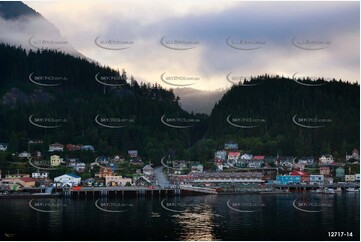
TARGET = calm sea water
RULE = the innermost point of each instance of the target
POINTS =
(220, 217)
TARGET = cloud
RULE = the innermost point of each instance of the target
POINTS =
(275, 23)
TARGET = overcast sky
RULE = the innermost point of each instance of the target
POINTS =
(237, 39)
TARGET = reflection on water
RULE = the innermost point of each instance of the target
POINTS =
(209, 217)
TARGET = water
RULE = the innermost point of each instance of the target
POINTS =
(221, 217)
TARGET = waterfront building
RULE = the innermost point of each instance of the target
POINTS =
(69, 178)
(350, 178)
(196, 167)
(288, 179)
(319, 179)
(340, 172)
(117, 181)
(148, 170)
(227, 177)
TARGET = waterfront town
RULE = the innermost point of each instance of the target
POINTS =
(231, 170)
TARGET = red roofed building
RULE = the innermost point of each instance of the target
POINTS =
(233, 155)
(304, 176)
(26, 181)
(325, 170)
(258, 157)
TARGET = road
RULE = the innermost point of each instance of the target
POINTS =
(162, 179)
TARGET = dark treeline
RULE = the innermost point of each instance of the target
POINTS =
(79, 99)
(277, 100)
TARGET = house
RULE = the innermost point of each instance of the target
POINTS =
(55, 160)
(35, 141)
(70, 179)
(220, 155)
(299, 166)
(117, 181)
(246, 157)
(288, 179)
(357, 177)
(77, 166)
(88, 148)
(105, 171)
(148, 170)
(286, 161)
(24, 154)
(305, 177)
(233, 155)
(355, 156)
(319, 179)
(133, 153)
(326, 159)
(307, 161)
(3, 146)
(136, 160)
(196, 167)
(231, 146)
(102, 160)
(71, 147)
(340, 172)
(350, 178)
(119, 158)
(270, 160)
(25, 181)
(325, 170)
(56, 147)
(142, 181)
(40, 175)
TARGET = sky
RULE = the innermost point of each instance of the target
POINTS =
(212, 44)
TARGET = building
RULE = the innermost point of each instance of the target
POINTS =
(148, 170)
(227, 177)
(105, 171)
(233, 155)
(231, 146)
(55, 160)
(288, 179)
(307, 161)
(24, 154)
(357, 177)
(340, 172)
(17, 175)
(117, 181)
(40, 175)
(326, 159)
(196, 167)
(25, 181)
(325, 170)
(286, 162)
(133, 153)
(350, 178)
(220, 155)
(319, 179)
(3, 146)
(71, 147)
(246, 157)
(70, 179)
(88, 148)
(56, 147)
(305, 177)
(77, 166)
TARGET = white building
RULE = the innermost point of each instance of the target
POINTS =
(350, 178)
(148, 170)
(246, 157)
(24, 154)
(3, 146)
(70, 179)
(56, 147)
(326, 159)
(39, 174)
(357, 177)
(317, 179)
(117, 181)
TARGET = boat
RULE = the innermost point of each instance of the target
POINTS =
(324, 191)
(352, 189)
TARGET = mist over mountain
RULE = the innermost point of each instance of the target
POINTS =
(21, 25)
(198, 101)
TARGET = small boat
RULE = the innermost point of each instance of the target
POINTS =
(9, 235)
(324, 191)
(352, 189)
